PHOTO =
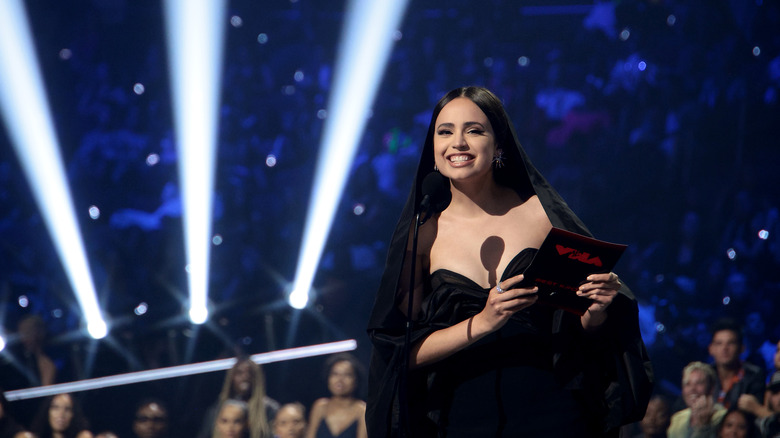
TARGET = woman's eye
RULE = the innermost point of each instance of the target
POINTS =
(476, 131)
(444, 132)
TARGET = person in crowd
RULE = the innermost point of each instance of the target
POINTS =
(9, 428)
(342, 414)
(61, 416)
(703, 413)
(32, 334)
(656, 420)
(107, 434)
(290, 421)
(151, 419)
(245, 381)
(768, 414)
(485, 359)
(734, 376)
(737, 424)
(232, 420)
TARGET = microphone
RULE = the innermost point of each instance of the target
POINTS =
(436, 195)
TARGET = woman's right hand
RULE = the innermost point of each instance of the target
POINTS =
(504, 301)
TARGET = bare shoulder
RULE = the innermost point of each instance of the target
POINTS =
(320, 403)
(84, 434)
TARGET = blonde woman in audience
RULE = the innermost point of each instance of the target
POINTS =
(245, 381)
(232, 420)
(703, 415)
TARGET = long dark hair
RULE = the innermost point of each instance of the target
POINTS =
(42, 428)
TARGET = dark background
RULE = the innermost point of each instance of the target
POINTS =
(656, 120)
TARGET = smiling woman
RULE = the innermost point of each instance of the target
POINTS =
(342, 414)
(486, 359)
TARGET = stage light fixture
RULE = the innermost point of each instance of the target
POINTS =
(25, 109)
(366, 42)
(195, 35)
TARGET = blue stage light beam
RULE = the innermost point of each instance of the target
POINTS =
(366, 42)
(195, 35)
(25, 110)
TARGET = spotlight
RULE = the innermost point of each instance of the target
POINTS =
(366, 41)
(25, 109)
(195, 31)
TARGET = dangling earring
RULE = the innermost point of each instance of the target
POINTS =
(435, 167)
(498, 159)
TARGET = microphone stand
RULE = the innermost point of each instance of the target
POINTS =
(403, 390)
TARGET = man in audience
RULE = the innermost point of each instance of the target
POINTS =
(734, 376)
(703, 414)
(151, 419)
(767, 417)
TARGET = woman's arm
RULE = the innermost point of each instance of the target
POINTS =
(499, 308)
(362, 431)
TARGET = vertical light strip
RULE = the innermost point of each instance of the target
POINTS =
(365, 46)
(195, 30)
(25, 109)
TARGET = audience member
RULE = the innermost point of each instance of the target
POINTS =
(245, 381)
(767, 416)
(656, 420)
(736, 424)
(60, 416)
(32, 334)
(734, 376)
(151, 419)
(341, 414)
(232, 420)
(290, 421)
(9, 428)
(703, 414)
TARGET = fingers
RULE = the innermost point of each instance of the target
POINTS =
(509, 283)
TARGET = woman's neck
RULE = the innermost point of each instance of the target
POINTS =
(487, 196)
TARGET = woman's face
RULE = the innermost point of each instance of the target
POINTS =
(342, 380)
(60, 412)
(289, 423)
(463, 141)
(734, 426)
(694, 387)
(242, 381)
(231, 422)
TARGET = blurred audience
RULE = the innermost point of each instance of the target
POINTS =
(290, 421)
(151, 419)
(703, 414)
(60, 416)
(768, 414)
(232, 420)
(342, 414)
(245, 381)
(9, 428)
(734, 376)
(737, 424)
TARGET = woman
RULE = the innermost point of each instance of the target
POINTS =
(245, 381)
(487, 361)
(737, 424)
(232, 420)
(290, 421)
(61, 417)
(342, 414)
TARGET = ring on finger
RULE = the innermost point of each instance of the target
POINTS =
(498, 288)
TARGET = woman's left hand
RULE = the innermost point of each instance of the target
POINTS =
(602, 289)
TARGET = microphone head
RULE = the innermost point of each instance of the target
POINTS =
(436, 187)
